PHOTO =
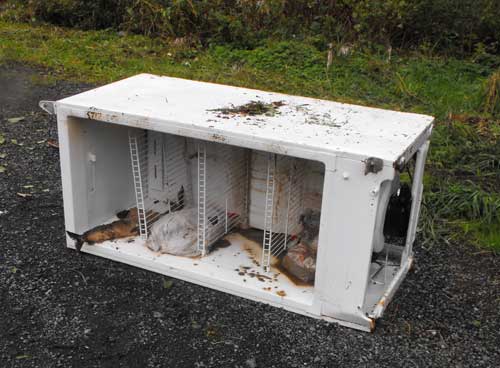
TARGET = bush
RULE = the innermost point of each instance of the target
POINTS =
(95, 14)
(447, 25)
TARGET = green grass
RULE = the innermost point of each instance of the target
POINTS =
(463, 177)
(436, 86)
(484, 235)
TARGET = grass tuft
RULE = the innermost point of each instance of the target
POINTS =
(492, 98)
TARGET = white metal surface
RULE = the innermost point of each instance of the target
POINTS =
(338, 138)
(186, 107)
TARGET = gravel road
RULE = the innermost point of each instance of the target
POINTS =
(61, 309)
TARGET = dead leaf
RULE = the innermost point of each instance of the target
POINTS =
(14, 141)
(2, 169)
(281, 293)
(52, 143)
(3, 155)
(16, 120)
(167, 284)
(24, 195)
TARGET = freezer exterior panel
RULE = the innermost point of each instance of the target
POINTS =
(360, 149)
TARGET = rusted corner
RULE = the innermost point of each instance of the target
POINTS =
(411, 264)
(372, 324)
(373, 165)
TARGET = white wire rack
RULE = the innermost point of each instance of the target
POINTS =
(160, 172)
(177, 180)
(139, 156)
(222, 191)
(162, 167)
(285, 180)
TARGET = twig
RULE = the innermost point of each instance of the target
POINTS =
(81, 274)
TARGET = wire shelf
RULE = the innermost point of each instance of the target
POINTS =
(222, 191)
(285, 180)
(172, 172)
(162, 167)
(160, 174)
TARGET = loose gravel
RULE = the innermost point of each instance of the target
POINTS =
(61, 309)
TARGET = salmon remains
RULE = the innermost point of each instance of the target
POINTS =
(123, 228)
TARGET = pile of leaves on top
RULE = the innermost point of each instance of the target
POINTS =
(252, 108)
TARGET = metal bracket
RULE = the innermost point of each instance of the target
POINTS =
(48, 106)
(400, 164)
(373, 165)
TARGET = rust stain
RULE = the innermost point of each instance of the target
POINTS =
(372, 325)
(253, 247)
(296, 281)
(94, 115)
(219, 137)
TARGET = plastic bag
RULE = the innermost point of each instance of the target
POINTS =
(175, 233)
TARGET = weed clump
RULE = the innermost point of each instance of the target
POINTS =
(491, 103)
(463, 182)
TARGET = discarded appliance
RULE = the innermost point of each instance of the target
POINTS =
(300, 203)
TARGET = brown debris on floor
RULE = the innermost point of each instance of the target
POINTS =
(52, 143)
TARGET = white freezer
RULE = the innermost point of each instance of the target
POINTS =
(143, 140)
